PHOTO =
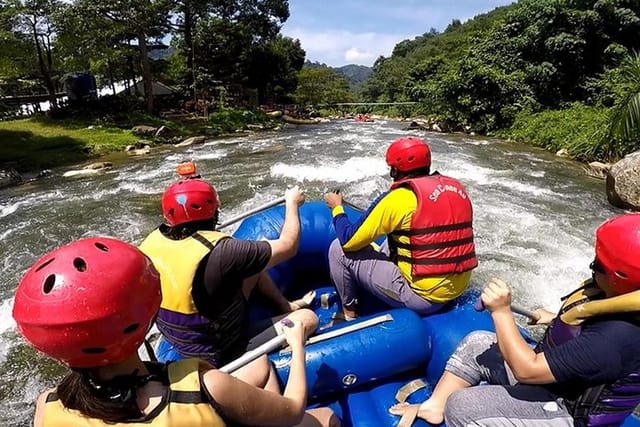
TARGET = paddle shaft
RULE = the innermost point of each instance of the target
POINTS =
(479, 306)
(250, 356)
(251, 212)
(277, 342)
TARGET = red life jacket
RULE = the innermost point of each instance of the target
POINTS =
(441, 234)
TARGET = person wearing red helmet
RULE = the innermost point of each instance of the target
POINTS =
(89, 305)
(207, 278)
(429, 251)
(585, 371)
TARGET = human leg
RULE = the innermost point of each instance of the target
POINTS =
(477, 358)
(500, 405)
(375, 272)
(259, 373)
(267, 287)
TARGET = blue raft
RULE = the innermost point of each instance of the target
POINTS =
(358, 373)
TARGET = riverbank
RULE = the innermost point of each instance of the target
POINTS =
(38, 143)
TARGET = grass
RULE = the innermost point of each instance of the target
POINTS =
(40, 143)
(37, 143)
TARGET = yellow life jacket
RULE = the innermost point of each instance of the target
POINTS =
(177, 262)
(184, 404)
(581, 305)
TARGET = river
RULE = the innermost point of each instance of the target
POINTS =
(535, 213)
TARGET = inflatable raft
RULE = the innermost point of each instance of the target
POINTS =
(358, 368)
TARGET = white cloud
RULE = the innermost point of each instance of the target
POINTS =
(357, 56)
(335, 47)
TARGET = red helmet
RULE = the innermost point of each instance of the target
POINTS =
(89, 303)
(618, 251)
(407, 154)
(189, 200)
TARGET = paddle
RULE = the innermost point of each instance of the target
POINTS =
(251, 212)
(479, 306)
(250, 356)
(345, 203)
(278, 341)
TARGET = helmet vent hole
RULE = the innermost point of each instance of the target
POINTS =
(170, 212)
(131, 328)
(94, 350)
(80, 264)
(102, 247)
(49, 283)
(621, 275)
(196, 207)
(411, 158)
(43, 265)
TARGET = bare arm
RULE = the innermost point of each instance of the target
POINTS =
(286, 245)
(251, 405)
(38, 418)
(528, 366)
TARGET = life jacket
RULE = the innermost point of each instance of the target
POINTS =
(603, 404)
(185, 405)
(191, 333)
(441, 233)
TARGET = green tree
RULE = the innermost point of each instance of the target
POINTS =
(135, 20)
(321, 85)
(33, 19)
(625, 123)
(272, 69)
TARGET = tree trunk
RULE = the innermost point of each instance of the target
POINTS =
(190, 51)
(46, 74)
(146, 72)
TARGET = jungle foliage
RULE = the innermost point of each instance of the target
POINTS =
(567, 67)
(230, 46)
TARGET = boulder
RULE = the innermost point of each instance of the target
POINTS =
(597, 169)
(98, 165)
(144, 130)
(193, 140)
(88, 170)
(9, 177)
(623, 182)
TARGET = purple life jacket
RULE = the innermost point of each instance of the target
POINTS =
(599, 405)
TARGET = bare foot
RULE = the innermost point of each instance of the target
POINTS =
(303, 302)
(427, 411)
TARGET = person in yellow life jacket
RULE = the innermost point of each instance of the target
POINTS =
(207, 278)
(89, 305)
(584, 372)
(429, 251)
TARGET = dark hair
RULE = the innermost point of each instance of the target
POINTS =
(416, 173)
(182, 231)
(76, 391)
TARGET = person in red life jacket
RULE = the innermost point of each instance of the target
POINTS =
(429, 251)
(207, 278)
(89, 305)
(585, 371)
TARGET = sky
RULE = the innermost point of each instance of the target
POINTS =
(341, 32)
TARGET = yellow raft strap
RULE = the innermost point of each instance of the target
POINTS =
(401, 396)
(409, 417)
(324, 300)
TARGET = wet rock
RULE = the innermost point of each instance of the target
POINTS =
(623, 182)
(193, 140)
(9, 177)
(142, 130)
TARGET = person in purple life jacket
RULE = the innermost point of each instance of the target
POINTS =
(585, 371)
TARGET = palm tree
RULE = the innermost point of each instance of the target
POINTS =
(625, 122)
